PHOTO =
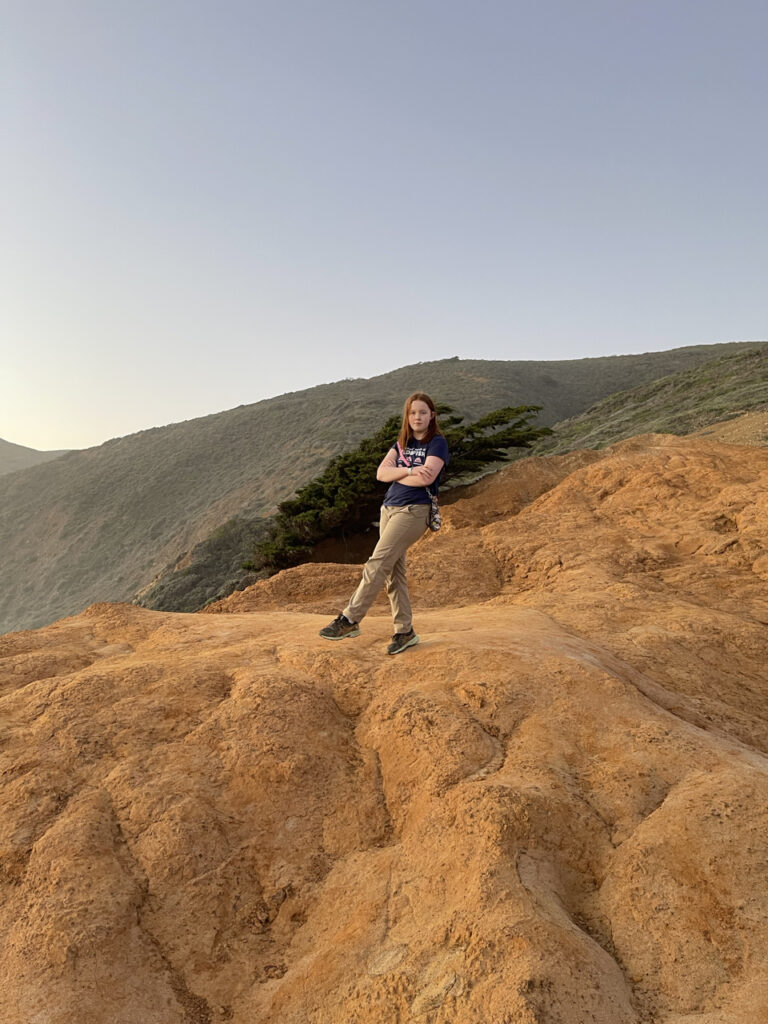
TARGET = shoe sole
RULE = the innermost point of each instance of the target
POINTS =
(411, 642)
(344, 636)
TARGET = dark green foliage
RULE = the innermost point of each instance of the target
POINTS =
(342, 498)
(346, 496)
(489, 439)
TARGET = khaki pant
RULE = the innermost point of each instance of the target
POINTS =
(399, 527)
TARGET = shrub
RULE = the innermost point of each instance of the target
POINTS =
(346, 496)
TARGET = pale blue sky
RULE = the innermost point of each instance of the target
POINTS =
(208, 203)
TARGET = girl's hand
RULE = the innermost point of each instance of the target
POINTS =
(423, 476)
(388, 474)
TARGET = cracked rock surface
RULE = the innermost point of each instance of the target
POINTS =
(553, 810)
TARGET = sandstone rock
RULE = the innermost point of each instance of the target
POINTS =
(554, 809)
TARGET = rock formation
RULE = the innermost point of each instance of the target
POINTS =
(554, 810)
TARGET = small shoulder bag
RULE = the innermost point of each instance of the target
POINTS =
(434, 519)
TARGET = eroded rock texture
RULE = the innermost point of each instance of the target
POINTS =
(552, 811)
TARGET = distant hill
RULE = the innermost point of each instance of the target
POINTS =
(100, 524)
(15, 456)
(680, 403)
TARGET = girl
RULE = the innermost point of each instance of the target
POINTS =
(410, 470)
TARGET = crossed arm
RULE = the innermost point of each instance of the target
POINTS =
(420, 476)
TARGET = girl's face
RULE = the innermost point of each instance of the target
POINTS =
(419, 418)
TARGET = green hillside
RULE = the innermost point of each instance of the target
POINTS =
(103, 523)
(677, 404)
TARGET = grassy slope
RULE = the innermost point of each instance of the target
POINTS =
(676, 404)
(211, 570)
(100, 524)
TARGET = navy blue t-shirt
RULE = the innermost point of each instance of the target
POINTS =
(416, 452)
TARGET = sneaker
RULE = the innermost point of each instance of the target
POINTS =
(402, 640)
(339, 628)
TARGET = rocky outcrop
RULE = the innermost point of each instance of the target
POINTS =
(552, 810)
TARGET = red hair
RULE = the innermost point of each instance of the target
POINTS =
(405, 431)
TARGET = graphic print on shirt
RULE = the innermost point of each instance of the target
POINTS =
(415, 455)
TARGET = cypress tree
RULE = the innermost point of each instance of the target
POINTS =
(346, 496)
